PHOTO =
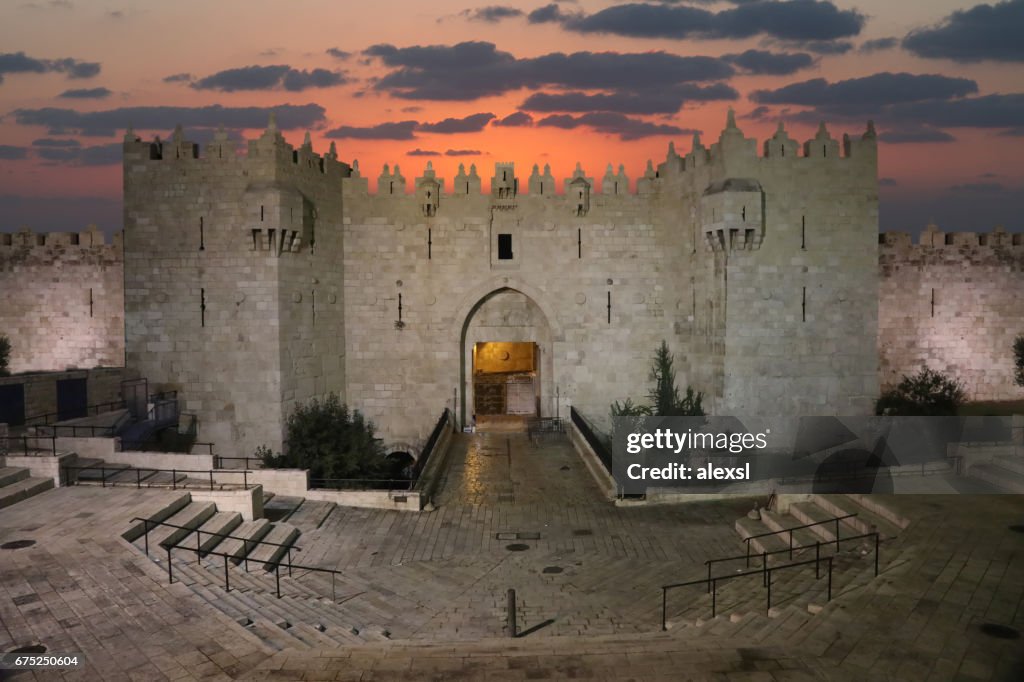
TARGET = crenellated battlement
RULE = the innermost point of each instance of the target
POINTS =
(934, 238)
(271, 147)
(90, 238)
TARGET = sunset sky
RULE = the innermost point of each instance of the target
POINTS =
(450, 81)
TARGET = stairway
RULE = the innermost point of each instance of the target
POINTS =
(796, 589)
(1005, 472)
(92, 471)
(16, 485)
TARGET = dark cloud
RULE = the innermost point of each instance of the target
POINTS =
(272, 77)
(794, 20)
(762, 62)
(984, 32)
(867, 93)
(463, 152)
(612, 124)
(469, 124)
(519, 118)
(12, 153)
(989, 111)
(86, 93)
(110, 122)
(398, 130)
(338, 54)
(411, 110)
(178, 78)
(98, 155)
(50, 142)
(915, 136)
(1013, 132)
(422, 152)
(492, 13)
(548, 14)
(661, 101)
(19, 62)
(472, 70)
(879, 44)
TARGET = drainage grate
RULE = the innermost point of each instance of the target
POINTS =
(509, 535)
(582, 532)
(517, 547)
(999, 631)
(1017, 528)
(17, 544)
(552, 569)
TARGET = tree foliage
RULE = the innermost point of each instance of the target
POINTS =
(927, 393)
(331, 441)
(5, 356)
(664, 395)
(1018, 360)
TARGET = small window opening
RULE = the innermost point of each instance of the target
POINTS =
(933, 302)
(40, 240)
(256, 240)
(75, 239)
(579, 243)
(430, 243)
(504, 247)
(202, 235)
(803, 232)
(261, 214)
(90, 302)
(949, 240)
(202, 307)
(743, 214)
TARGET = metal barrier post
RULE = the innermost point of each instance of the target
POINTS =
(145, 524)
(138, 478)
(245, 479)
(768, 611)
(830, 579)
(277, 578)
(170, 572)
(876, 555)
(764, 569)
(748, 553)
(333, 598)
(245, 548)
(790, 545)
(709, 575)
(174, 479)
(227, 580)
(817, 558)
(199, 545)
(289, 561)
(211, 479)
(837, 535)
(512, 627)
(714, 598)
(103, 477)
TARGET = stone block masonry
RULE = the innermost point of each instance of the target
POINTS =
(62, 300)
(953, 302)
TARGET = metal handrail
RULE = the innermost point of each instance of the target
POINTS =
(402, 483)
(8, 440)
(103, 468)
(276, 564)
(146, 522)
(817, 551)
(599, 447)
(835, 520)
(428, 448)
(46, 417)
(91, 429)
(765, 572)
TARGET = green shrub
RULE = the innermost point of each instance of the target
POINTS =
(331, 441)
(1018, 360)
(927, 393)
(5, 356)
(664, 396)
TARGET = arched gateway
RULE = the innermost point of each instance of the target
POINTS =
(506, 358)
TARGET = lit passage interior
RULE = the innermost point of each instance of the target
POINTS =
(505, 378)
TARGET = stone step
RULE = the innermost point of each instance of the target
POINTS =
(808, 512)
(222, 523)
(803, 537)
(876, 505)
(10, 475)
(841, 505)
(23, 489)
(236, 547)
(283, 534)
(190, 517)
(994, 474)
(137, 528)
(311, 514)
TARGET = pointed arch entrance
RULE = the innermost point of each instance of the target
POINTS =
(506, 357)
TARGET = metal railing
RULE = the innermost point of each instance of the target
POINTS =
(218, 460)
(428, 449)
(41, 445)
(766, 575)
(817, 551)
(598, 445)
(834, 520)
(199, 543)
(200, 553)
(90, 410)
(539, 426)
(77, 430)
(150, 472)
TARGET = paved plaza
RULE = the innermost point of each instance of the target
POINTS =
(429, 591)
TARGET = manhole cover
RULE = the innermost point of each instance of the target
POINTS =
(1000, 631)
(552, 569)
(517, 547)
(30, 649)
(17, 544)
(582, 532)
(1017, 528)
